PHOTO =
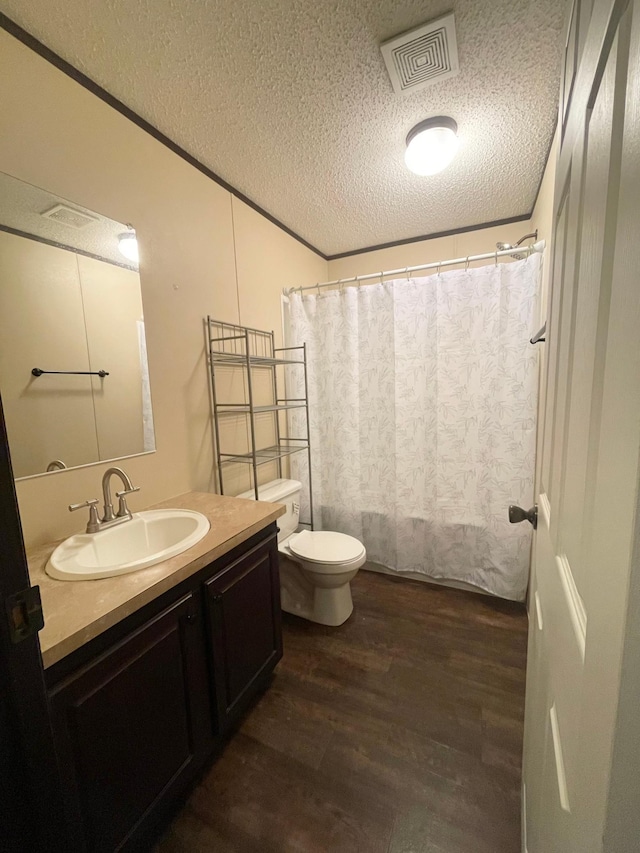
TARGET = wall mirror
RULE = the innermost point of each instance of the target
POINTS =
(73, 363)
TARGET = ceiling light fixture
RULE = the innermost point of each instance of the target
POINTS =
(128, 246)
(431, 145)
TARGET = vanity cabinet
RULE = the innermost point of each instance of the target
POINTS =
(244, 629)
(139, 711)
(131, 724)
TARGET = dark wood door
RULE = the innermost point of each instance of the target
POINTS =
(31, 816)
(245, 628)
(132, 726)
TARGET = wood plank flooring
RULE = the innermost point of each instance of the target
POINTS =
(399, 732)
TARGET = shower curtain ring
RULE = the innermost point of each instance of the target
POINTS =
(407, 274)
(318, 286)
(382, 277)
(496, 257)
(466, 266)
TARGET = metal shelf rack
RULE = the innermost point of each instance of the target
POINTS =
(253, 350)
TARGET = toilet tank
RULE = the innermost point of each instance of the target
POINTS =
(285, 492)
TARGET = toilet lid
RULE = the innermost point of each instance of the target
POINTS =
(324, 546)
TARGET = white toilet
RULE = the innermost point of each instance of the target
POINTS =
(316, 568)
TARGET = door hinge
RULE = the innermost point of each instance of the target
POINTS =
(24, 614)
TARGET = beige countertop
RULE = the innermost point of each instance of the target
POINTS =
(77, 611)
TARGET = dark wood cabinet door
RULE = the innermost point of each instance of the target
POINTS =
(132, 726)
(245, 628)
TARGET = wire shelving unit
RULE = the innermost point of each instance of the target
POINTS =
(254, 350)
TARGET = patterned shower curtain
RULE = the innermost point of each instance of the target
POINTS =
(423, 396)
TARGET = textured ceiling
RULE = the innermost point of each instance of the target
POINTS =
(21, 206)
(291, 103)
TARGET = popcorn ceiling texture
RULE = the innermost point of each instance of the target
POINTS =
(21, 205)
(291, 103)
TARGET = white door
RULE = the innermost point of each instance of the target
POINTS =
(577, 736)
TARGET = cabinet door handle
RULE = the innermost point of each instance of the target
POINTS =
(192, 618)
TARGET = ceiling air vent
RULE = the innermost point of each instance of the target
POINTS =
(66, 215)
(422, 56)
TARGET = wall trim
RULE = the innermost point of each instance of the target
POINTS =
(86, 82)
(522, 217)
(7, 229)
(61, 64)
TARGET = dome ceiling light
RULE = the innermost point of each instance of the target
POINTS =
(431, 145)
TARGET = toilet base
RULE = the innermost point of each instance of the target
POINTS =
(332, 606)
(301, 598)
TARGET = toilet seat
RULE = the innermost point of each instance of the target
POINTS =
(325, 547)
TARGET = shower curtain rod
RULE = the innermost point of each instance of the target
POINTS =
(534, 247)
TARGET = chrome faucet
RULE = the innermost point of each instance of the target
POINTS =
(129, 488)
(109, 518)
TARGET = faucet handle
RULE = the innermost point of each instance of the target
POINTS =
(126, 492)
(94, 522)
(74, 507)
(123, 509)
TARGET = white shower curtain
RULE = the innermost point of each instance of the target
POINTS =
(423, 396)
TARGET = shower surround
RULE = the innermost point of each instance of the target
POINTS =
(423, 401)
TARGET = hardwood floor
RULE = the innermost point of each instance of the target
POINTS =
(399, 732)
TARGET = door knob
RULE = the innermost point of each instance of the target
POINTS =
(517, 514)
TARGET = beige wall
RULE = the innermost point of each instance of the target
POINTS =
(427, 251)
(542, 218)
(58, 136)
(274, 262)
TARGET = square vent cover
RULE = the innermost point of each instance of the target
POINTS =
(66, 215)
(422, 56)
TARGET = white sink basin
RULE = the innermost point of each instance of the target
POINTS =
(148, 538)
